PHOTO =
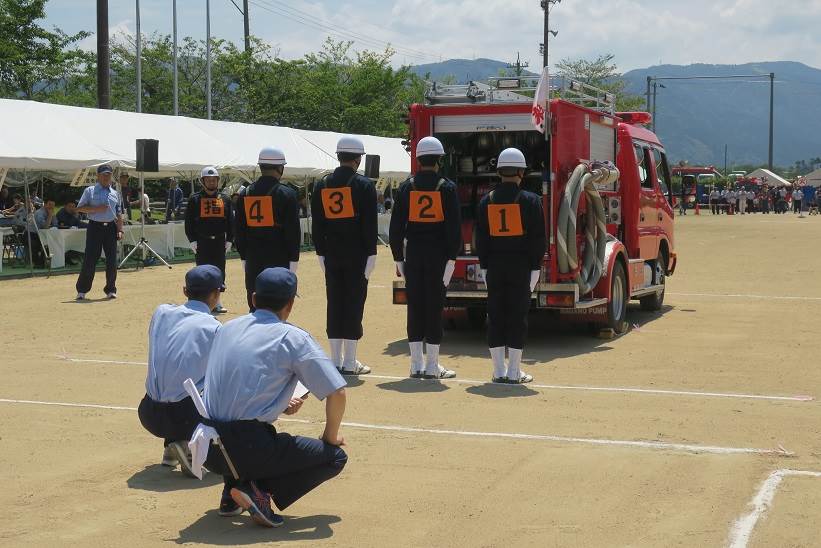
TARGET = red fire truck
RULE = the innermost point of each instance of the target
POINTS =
(607, 207)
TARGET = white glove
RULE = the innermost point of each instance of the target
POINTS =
(400, 268)
(534, 279)
(228, 247)
(449, 268)
(321, 263)
(484, 276)
(293, 265)
(369, 266)
(193, 246)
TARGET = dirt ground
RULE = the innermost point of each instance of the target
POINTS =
(436, 464)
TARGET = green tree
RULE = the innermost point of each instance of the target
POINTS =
(602, 73)
(36, 62)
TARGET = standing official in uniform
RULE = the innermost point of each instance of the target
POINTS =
(510, 242)
(344, 229)
(101, 203)
(209, 225)
(179, 342)
(426, 215)
(255, 363)
(267, 230)
(715, 195)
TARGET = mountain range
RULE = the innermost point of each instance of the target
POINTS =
(695, 119)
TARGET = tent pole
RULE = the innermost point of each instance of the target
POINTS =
(28, 215)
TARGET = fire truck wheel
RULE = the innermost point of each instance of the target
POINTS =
(653, 303)
(617, 307)
(477, 317)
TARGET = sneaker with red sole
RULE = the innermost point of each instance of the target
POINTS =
(257, 503)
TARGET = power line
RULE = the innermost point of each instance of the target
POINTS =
(311, 21)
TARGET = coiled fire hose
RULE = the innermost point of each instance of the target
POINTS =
(584, 180)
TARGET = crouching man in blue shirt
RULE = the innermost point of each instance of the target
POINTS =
(255, 363)
(179, 341)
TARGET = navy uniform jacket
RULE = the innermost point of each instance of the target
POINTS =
(445, 235)
(531, 244)
(344, 237)
(217, 221)
(285, 234)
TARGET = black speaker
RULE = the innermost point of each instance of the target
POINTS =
(148, 155)
(372, 166)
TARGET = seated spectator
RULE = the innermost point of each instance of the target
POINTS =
(36, 200)
(5, 201)
(26, 218)
(10, 213)
(145, 208)
(69, 218)
(45, 217)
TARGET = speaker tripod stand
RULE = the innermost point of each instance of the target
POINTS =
(143, 243)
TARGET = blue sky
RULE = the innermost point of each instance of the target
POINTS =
(639, 32)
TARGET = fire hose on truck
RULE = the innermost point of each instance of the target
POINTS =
(584, 181)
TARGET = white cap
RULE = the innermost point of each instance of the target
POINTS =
(271, 156)
(430, 146)
(351, 145)
(209, 171)
(512, 157)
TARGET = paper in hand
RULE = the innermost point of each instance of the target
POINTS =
(300, 391)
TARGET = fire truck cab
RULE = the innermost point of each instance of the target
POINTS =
(606, 195)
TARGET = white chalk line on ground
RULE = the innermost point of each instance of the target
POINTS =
(742, 528)
(677, 447)
(628, 390)
(745, 296)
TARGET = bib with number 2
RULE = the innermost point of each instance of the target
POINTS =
(259, 211)
(425, 207)
(338, 203)
(505, 220)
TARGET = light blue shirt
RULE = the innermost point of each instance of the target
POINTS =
(98, 195)
(41, 216)
(254, 366)
(179, 342)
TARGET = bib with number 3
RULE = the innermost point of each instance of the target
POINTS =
(211, 208)
(337, 203)
(505, 220)
(425, 207)
(259, 211)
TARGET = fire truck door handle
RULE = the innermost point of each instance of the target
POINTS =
(660, 217)
(641, 217)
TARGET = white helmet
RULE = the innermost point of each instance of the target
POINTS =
(209, 171)
(511, 157)
(271, 156)
(429, 146)
(350, 144)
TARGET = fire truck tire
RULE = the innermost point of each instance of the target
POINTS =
(477, 317)
(617, 307)
(654, 302)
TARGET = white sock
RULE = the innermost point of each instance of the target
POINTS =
(514, 362)
(432, 359)
(498, 356)
(336, 352)
(417, 357)
(349, 355)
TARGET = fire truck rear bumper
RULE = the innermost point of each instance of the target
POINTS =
(546, 297)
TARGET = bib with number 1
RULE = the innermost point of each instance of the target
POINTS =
(505, 220)
(338, 203)
(259, 211)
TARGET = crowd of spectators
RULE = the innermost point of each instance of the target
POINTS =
(763, 199)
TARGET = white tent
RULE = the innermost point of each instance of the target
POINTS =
(813, 179)
(767, 176)
(46, 137)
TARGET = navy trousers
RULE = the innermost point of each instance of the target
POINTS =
(424, 270)
(99, 237)
(171, 421)
(346, 289)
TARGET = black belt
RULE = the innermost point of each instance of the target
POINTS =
(100, 222)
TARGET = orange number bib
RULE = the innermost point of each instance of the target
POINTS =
(337, 203)
(259, 211)
(425, 207)
(505, 219)
(211, 208)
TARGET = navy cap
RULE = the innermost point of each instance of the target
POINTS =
(105, 168)
(276, 283)
(206, 277)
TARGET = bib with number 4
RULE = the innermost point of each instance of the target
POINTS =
(259, 211)
(505, 220)
(211, 208)
(425, 207)
(338, 203)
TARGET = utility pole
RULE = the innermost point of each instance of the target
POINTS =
(772, 116)
(208, 57)
(518, 65)
(247, 26)
(647, 102)
(656, 86)
(103, 57)
(176, 70)
(725, 161)
(139, 63)
(546, 6)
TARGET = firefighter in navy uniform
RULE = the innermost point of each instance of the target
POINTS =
(344, 229)
(209, 224)
(426, 214)
(510, 242)
(267, 232)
